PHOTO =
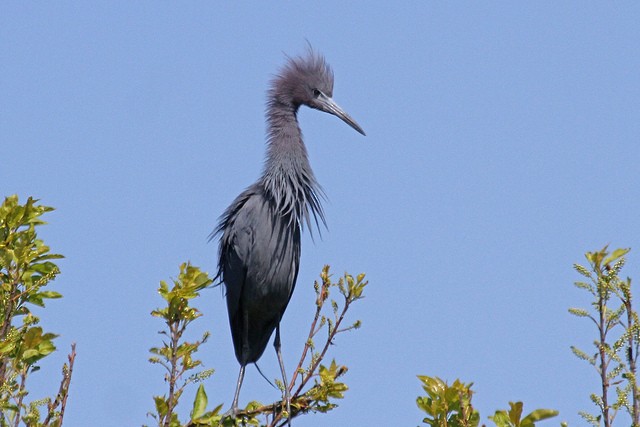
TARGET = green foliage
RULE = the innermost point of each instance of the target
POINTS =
(321, 396)
(177, 355)
(327, 387)
(450, 406)
(617, 345)
(513, 417)
(26, 268)
(447, 405)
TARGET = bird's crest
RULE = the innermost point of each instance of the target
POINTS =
(300, 75)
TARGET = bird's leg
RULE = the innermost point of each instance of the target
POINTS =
(234, 406)
(245, 350)
(287, 395)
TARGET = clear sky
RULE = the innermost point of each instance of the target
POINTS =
(502, 143)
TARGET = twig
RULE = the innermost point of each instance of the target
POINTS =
(329, 342)
(322, 297)
(63, 392)
(632, 344)
(174, 373)
(21, 394)
(603, 359)
(72, 358)
(6, 324)
(304, 401)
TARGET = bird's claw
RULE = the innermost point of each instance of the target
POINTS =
(231, 413)
(286, 406)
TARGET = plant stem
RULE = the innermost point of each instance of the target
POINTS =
(63, 392)
(329, 341)
(635, 409)
(603, 356)
(9, 310)
(23, 383)
(173, 374)
(307, 346)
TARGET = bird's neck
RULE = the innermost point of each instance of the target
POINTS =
(286, 152)
(287, 176)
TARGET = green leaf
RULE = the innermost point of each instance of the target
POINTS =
(199, 403)
(161, 405)
(31, 353)
(615, 255)
(515, 412)
(50, 294)
(539, 415)
(501, 419)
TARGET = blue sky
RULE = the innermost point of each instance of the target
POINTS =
(502, 144)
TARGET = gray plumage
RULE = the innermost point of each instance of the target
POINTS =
(259, 252)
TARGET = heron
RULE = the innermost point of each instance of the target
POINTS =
(259, 247)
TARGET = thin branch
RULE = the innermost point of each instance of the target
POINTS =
(63, 392)
(300, 400)
(329, 342)
(21, 393)
(635, 409)
(316, 362)
(603, 360)
(6, 326)
(322, 297)
(173, 373)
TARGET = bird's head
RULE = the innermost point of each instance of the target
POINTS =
(308, 80)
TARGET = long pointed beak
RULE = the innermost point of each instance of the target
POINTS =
(328, 105)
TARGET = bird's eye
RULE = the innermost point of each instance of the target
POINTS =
(316, 93)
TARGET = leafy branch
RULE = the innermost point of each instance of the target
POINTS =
(450, 406)
(25, 270)
(318, 398)
(447, 405)
(176, 354)
(326, 387)
(615, 359)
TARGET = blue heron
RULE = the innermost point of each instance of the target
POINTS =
(259, 253)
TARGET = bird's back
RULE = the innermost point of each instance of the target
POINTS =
(259, 260)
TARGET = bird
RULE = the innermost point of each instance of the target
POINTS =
(259, 233)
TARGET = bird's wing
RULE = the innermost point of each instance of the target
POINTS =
(236, 237)
(259, 261)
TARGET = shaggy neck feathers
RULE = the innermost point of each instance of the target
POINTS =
(287, 177)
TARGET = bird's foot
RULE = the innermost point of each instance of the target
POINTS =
(286, 405)
(231, 413)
